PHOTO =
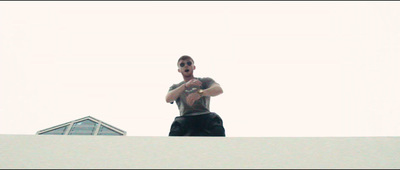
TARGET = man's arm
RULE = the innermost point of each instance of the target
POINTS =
(174, 94)
(214, 90)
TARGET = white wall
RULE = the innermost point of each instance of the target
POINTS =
(31, 151)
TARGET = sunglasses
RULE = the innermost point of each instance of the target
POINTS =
(189, 63)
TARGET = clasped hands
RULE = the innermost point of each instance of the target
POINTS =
(192, 97)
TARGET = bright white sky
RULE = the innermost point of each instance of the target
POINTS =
(287, 68)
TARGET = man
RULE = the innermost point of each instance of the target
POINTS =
(192, 96)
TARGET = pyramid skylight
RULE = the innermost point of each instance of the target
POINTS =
(84, 126)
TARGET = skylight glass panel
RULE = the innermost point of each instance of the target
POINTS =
(86, 127)
(58, 131)
(107, 131)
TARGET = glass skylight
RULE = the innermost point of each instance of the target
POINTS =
(84, 126)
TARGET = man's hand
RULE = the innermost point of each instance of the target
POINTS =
(193, 82)
(192, 97)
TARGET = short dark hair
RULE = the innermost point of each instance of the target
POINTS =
(184, 57)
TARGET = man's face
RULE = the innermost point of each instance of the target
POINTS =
(186, 67)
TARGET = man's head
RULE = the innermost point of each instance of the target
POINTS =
(186, 65)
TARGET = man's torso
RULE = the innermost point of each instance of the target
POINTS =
(201, 106)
